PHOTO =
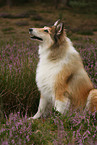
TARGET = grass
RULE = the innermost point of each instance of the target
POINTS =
(18, 77)
(8, 30)
(23, 23)
(85, 32)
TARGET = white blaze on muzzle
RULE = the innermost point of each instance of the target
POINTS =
(33, 35)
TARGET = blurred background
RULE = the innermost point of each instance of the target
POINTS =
(80, 16)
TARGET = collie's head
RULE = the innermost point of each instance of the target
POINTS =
(48, 36)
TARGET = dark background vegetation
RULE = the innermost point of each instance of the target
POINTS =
(55, 2)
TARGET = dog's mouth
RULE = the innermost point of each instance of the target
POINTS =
(36, 38)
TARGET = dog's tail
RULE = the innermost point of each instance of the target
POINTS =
(92, 101)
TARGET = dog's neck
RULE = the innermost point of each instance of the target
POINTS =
(55, 53)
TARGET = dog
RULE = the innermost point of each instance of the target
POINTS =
(60, 75)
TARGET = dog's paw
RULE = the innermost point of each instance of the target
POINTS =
(30, 118)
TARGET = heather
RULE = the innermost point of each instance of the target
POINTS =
(19, 99)
(88, 51)
(18, 88)
(70, 129)
(18, 67)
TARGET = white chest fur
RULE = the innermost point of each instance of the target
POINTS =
(45, 77)
(47, 71)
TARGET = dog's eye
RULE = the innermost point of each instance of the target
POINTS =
(46, 31)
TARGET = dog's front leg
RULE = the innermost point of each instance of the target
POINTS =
(62, 106)
(41, 108)
(62, 101)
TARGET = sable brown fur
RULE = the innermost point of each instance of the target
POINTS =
(93, 103)
(77, 87)
(71, 82)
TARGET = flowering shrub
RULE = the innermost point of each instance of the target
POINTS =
(76, 128)
(18, 65)
(70, 129)
(18, 87)
(88, 52)
(16, 130)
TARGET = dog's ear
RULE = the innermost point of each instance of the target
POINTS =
(59, 29)
(56, 23)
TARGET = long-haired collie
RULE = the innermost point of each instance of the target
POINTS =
(60, 75)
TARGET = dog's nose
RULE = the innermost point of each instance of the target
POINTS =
(30, 30)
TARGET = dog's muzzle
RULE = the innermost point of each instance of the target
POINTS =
(33, 36)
